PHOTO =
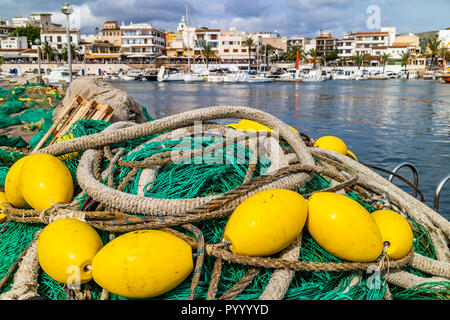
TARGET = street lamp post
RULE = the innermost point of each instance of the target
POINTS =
(38, 43)
(67, 10)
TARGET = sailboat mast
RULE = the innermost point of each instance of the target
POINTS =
(188, 46)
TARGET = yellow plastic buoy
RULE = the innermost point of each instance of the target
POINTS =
(343, 227)
(44, 181)
(334, 144)
(250, 125)
(266, 222)
(68, 155)
(12, 185)
(3, 201)
(396, 231)
(65, 250)
(143, 264)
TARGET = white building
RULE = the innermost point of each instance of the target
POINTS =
(364, 41)
(41, 20)
(57, 38)
(346, 46)
(209, 37)
(395, 51)
(444, 36)
(5, 29)
(23, 21)
(141, 40)
(14, 43)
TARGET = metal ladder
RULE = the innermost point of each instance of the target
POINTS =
(437, 192)
(439, 187)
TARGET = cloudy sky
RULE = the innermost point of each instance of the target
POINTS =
(288, 17)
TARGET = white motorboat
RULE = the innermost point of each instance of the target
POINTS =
(344, 75)
(429, 75)
(391, 75)
(172, 74)
(376, 75)
(215, 78)
(259, 79)
(362, 75)
(193, 77)
(291, 74)
(313, 75)
(59, 74)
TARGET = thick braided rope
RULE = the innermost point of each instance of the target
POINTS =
(138, 204)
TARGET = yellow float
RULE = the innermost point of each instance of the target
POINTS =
(266, 223)
(44, 181)
(143, 264)
(250, 125)
(65, 249)
(12, 185)
(396, 231)
(68, 155)
(343, 227)
(334, 144)
(3, 201)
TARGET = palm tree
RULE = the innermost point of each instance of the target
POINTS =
(359, 59)
(266, 50)
(405, 57)
(291, 55)
(74, 50)
(207, 53)
(249, 43)
(433, 45)
(385, 59)
(48, 51)
(313, 54)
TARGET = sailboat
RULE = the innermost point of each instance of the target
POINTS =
(190, 76)
(258, 77)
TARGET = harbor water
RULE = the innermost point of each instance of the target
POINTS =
(384, 123)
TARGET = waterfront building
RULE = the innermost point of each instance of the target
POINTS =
(89, 38)
(177, 43)
(5, 29)
(57, 38)
(110, 32)
(364, 41)
(297, 41)
(101, 51)
(23, 21)
(41, 20)
(14, 43)
(395, 52)
(410, 40)
(346, 46)
(44, 20)
(278, 43)
(232, 46)
(141, 40)
(310, 45)
(417, 63)
(205, 36)
(444, 36)
(325, 44)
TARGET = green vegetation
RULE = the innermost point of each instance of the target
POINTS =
(32, 33)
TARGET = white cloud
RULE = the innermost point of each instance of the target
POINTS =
(82, 17)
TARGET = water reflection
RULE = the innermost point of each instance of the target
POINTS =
(382, 122)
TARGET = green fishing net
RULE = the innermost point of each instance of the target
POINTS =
(198, 178)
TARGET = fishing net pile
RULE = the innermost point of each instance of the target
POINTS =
(29, 106)
(173, 175)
